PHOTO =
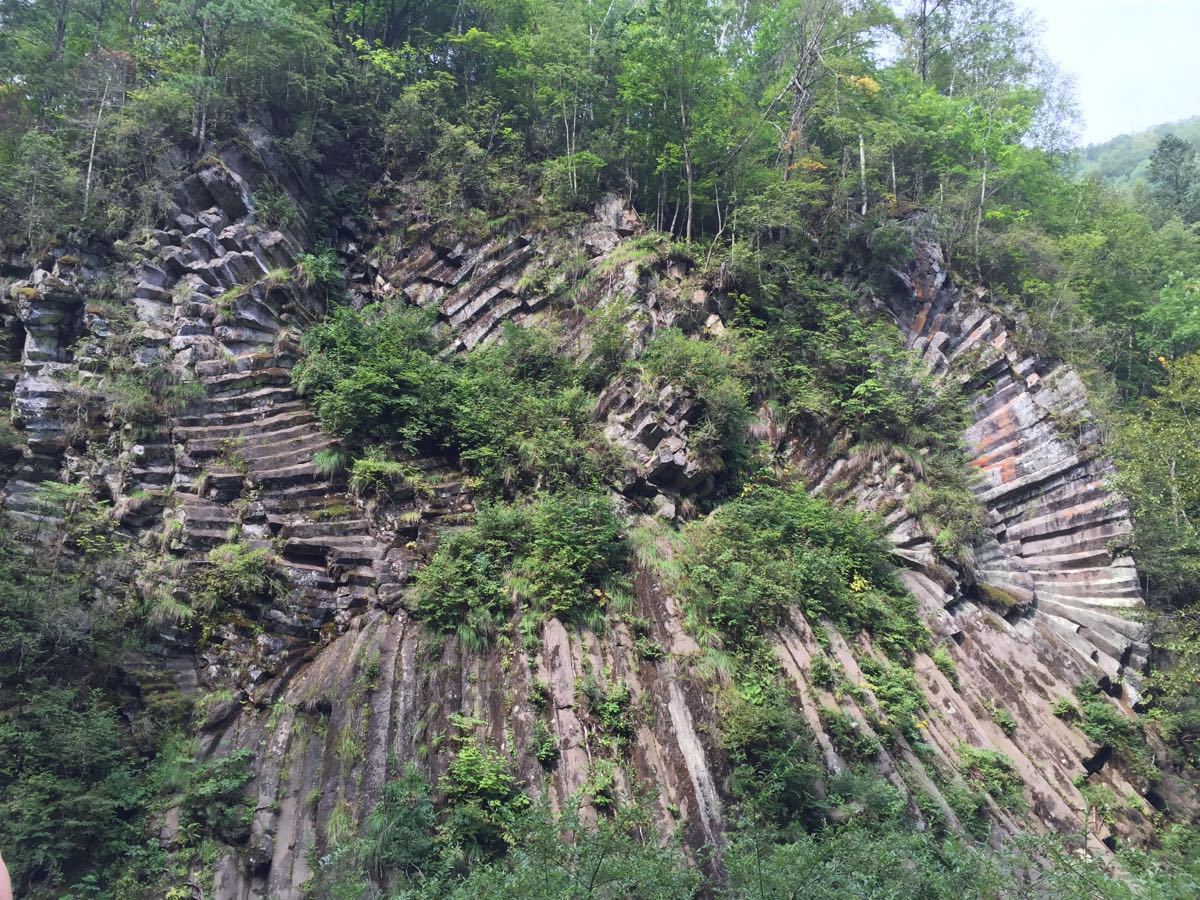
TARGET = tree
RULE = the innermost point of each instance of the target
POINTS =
(40, 187)
(1175, 178)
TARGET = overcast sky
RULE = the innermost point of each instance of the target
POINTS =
(1136, 63)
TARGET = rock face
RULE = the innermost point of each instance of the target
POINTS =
(334, 685)
(1058, 530)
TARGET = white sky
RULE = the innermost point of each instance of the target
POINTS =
(1136, 63)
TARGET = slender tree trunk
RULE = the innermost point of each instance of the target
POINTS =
(87, 185)
(979, 211)
(862, 171)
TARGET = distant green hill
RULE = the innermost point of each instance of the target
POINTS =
(1123, 160)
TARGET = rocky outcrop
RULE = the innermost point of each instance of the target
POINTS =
(652, 426)
(1058, 530)
(335, 687)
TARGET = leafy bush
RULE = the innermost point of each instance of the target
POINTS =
(993, 772)
(713, 375)
(851, 739)
(483, 794)
(1065, 709)
(463, 588)
(824, 673)
(214, 794)
(609, 702)
(234, 574)
(515, 414)
(1005, 720)
(73, 775)
(70, 795)
(898, 694)
(557, 554)
(557, 856)
(775, 549)
(400, 836)
(774, 776)
(945, 664)
(374, 376)
(573, 549)
(321, 273)
(543, 743)
(1109, 727)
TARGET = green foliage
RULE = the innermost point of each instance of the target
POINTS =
(574, 545)
(143, 398)
(898, 694)
(463, 588)
(850, 737)
(557, 554)
(994, 773)
(483, 794)
(1005, 720)
(824, 673)
(1125, 158)
(374, 376)
(1165, 485)
(888, 858)
(329, 463)
(321, 273)
(71, 792)
(74, 785)
(213, 794)
(560, 856)
(774, 774)
(710, 373)
(235, 575)
(610, 703)
(1109, 727)
(773, 550)
(1174, 704)
(400, 836)
(543, 743)
(1065, 709)
(945, 664)
(515, 414)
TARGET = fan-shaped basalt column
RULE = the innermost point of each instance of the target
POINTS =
(1059, 531)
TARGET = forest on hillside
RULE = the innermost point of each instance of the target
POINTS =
(792, 149)
(1124, 160)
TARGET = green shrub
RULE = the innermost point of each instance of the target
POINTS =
(705, 370)
(214, 794)
(774, 775)
(375, 475)
(556, 554)
(543, 743)
(400, 835)
(1109, 727)
(994, 773)
(463, 588)
(609, 702)
(515, 414)
(234, 574)
(775, 549)
(482, 793)
(573, 549)
(321, 273)
(945, 664)
(824, 673)
(898, 694)
(1065, 709)
(851, 739)
(374, 376)
(1005, 720)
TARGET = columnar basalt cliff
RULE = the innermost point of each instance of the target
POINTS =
(336, 661)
